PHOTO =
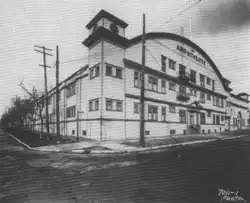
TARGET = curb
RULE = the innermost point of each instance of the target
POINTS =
(139, 150)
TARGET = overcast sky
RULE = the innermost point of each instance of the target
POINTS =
(220, 27)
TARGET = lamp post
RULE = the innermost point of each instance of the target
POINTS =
(77, 125)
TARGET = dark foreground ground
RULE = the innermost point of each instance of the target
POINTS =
(197, 176)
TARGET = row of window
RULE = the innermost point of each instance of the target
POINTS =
(110, 71)
(182, 68)
(153, 85)
(111, 105)
(153, 113)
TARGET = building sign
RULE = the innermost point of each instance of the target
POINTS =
(191, 55)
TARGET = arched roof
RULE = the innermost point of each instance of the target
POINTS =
(175, 37)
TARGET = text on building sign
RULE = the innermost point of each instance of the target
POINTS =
(190, 54)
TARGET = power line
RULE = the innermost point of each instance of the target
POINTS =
(153, 56)
(181, 12)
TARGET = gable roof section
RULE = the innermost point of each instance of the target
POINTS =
(109, 16)
(82, 69)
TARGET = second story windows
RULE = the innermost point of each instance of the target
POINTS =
(94, 105)
(202, 80)
(71, 90)
(113, 105)
(152, 83)
(193, 76)
(94, 72)
(113, 71)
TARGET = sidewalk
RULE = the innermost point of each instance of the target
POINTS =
(130, 146)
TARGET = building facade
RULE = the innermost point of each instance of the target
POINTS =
(185, 92)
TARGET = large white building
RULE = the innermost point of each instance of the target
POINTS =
(184, 90)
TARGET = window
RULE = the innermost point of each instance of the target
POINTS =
(163, 86)
(108, 70)
(214, 119)
(222, 103)
(202, 97)
(208, 114)
(222, 118)
(113, 71)
(116, 107)
(203, 118)
(94, 72)
(217, 120)
(71, 111)
(109, 105)
(163, 113)
(214, 99)
(71, 90)
(136, 107)
(171, 64)
(217, 103)
(97, 71)
(91, 73)
(153, 113)
(137, 80)
(182, 115)
(163, 63)
(152, 83)
(119, 73)
(208, 81)
(171, 108)
(171, 86)
(193, 76)
(213, 85)
(208, 97)
(228, 104)
(50, 117)
(94, 105)
(202, 80)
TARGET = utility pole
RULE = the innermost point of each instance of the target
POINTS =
(57, 93)
(142, 131)
(44, 49)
